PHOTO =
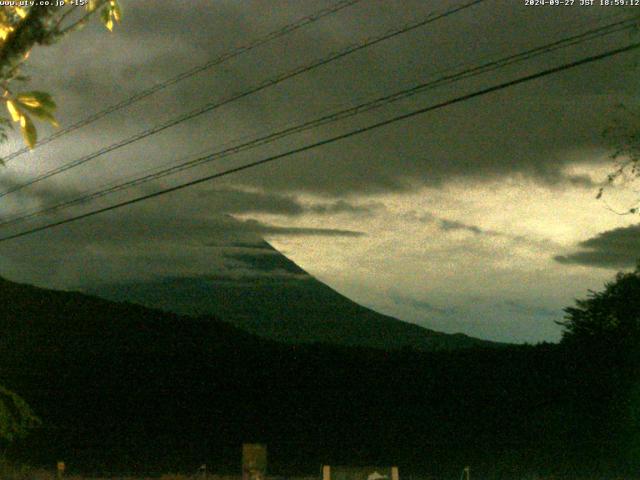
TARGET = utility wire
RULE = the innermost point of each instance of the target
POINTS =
(286, 30)
(336, 116)
(261, 86)
(430, 108)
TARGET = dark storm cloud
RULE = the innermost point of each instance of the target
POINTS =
(522, 308)
(261, 228)
(527, 130)
(267, 263)
(221, 200)
(342, 206)
(422, 305)
(265, 260)
(453, 225)
(447, 225)
(142, 242)
(444, 223)
(40, 194)
(229, 200)
(187, 227)
(617, 248)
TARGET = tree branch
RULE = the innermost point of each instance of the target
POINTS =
(32, 30)
(80, 21)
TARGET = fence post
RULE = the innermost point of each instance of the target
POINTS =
(254, 461)
(326, 472)
(60, 469)
(395, 475)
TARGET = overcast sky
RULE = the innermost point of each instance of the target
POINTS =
(478, 218)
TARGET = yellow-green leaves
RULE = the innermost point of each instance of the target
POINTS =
(27, 107)
(93, 4)
(5, 30)
(115, 9)
(31, 104)
(38, 104)
(13, 111)
(110, 14)
(10, 17)
(28, 130)
(35, 101)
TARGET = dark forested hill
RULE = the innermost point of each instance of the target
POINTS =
(269, 295)
(122, 388)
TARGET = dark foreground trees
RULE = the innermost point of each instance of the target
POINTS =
(602, 338)
(21, 29)
(16, 418)
(610, 317)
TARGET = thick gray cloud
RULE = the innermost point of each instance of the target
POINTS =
(448, 225)
(142, 242)
(220, 200)
(333, 194)
(617, 248)
(528, 129)
(422, 305)
(267, 230)
(230, 200)
(532, 310)
(455, 225)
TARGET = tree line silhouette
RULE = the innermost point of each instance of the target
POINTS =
(122, 388)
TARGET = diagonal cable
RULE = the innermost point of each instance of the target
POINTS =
(595, 33)
(286, 30)
(261, 86)
(352, 133)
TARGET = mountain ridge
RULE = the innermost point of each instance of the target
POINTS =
(268, 295)
(125, 389)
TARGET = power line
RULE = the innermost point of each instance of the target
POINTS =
(287, 29)
(340, 115)
(333, 139)
(261, 86)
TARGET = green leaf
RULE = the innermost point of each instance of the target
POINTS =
(110, 14)
(92, 5)
(16, 418)
(5, 123)
(41, 114)
(28, 131)
(105, 16)
(13, 110)
(37, 99)
(116, 12)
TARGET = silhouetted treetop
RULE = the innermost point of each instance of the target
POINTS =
(609, 316)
